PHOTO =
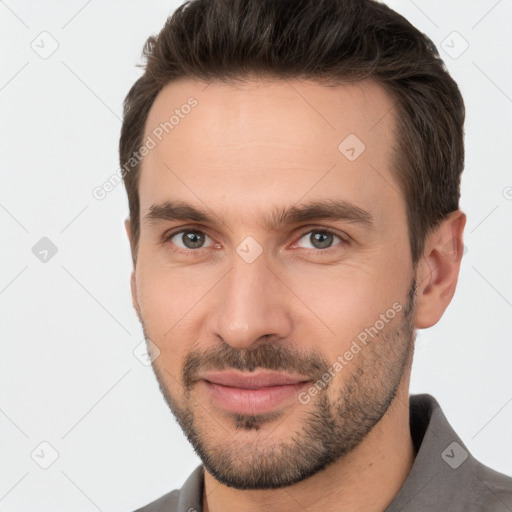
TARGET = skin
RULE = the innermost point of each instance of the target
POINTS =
(243, 151)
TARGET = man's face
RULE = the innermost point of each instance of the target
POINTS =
(240, 291)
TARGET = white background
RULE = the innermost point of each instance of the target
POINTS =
(68, 330)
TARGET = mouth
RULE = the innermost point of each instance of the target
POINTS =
(252, 394)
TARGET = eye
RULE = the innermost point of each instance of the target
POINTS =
(320, 240)
(188, 239)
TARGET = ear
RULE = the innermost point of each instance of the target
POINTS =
(438, 270)
(128, 228)
(133, 282)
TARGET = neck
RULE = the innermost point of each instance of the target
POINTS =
(368, 478)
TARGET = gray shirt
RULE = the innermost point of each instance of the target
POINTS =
(444, 477)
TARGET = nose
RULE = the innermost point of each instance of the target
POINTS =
(250, 304)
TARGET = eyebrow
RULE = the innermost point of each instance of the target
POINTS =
(325, 209)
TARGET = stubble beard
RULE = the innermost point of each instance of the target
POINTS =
(331, 428)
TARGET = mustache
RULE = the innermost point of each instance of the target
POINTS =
(270, 356)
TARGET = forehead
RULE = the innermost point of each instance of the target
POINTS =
(239, 147)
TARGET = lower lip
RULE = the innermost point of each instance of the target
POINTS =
(252, 401)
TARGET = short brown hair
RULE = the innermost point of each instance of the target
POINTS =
(328, 42)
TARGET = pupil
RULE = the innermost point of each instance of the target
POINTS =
(321, 240)
(192, 240)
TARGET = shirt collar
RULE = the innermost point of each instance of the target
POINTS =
(441, 466)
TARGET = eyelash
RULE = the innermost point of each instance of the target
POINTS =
(192, 252)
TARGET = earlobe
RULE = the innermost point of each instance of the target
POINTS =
(438, 270)
(128, 229)
(133, 287)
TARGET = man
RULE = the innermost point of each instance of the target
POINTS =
(293, 174)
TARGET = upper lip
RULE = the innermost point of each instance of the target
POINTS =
(252, 381)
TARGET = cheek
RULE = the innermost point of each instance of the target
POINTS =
(171, 301)
(163, 291)
(343, 301)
